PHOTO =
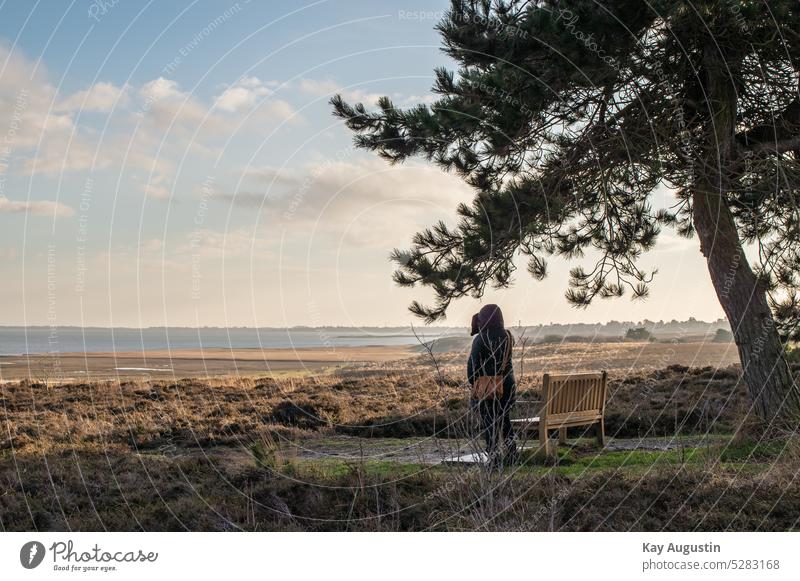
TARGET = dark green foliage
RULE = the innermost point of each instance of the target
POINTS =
(566, 116)
(638, 334)
(723, 336)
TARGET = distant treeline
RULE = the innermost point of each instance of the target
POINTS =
(619, 329)
(579, 330)
(613, 328)
(454, 338)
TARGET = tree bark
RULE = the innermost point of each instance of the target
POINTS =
(773, 392)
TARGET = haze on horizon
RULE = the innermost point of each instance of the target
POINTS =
(179, 166)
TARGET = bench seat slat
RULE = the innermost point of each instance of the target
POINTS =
(533, 420)
(576, 416)
(575, 376)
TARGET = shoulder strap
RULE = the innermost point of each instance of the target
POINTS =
(507, 356)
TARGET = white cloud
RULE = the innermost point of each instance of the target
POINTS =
(62, 152)
(26, 100)
(38, 208)
(255, 99)
(155, 191)
(328, 88)
(151, 245)
(40, 131)
(9, 253)
(256, 83)
(278, 110)
(157, 187)
(273, 175)
(42, 136)
(234, 243)
(159, 89)
(242, 95)
(166, 107)
(365, 200)
(412, 100)
(235, 98)
(101, 97)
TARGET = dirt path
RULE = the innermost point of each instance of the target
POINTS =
(436, 450)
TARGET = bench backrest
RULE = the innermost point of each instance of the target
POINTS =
(574, 399)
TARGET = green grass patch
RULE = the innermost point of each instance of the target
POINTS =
(572, 460)
(625, 460)
(575, 459)
(752, 452)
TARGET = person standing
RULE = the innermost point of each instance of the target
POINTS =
(495, 394)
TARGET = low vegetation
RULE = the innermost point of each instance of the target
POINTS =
(715, 488)
(148, 415)
(261, 454)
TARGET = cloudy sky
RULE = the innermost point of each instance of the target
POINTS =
(177, 163)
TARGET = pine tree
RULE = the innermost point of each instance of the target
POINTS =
(565, 117)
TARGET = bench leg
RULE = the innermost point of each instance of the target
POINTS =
(545, 445)
(601, 433)
(562, 435)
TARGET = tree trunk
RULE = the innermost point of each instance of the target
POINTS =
(773, 393)
(772, 390)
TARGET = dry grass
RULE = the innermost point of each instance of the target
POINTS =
(209, 455)
(140, 414)
(135, 415)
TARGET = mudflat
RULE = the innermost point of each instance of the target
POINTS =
(212, 362)
(191, 362)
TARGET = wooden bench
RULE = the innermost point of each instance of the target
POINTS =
(577, 399)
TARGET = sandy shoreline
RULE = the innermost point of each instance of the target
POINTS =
(214, 362)
(191, 362)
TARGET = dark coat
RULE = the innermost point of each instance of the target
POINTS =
(486, 358)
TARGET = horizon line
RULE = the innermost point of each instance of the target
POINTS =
(690, 320)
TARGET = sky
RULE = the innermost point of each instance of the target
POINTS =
(177, 163)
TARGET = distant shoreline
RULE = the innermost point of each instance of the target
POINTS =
(19, 340)
(181, 363)
(377, 329)
(176, 364)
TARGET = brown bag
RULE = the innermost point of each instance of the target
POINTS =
(491, 386)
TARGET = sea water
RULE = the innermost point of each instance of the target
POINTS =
(22, 340)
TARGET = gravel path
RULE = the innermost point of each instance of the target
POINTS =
(436, 450)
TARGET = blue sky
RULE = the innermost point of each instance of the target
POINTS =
(177, 163)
